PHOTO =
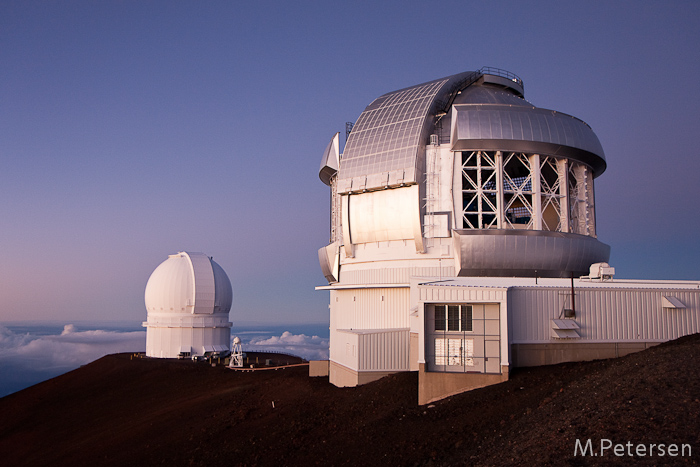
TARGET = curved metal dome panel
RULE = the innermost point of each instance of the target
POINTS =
(486, 94)
(525, 129)
(384, 148)
(389, 133)
(204, 290)
(190, 283)
(222, 287)
(170, 289)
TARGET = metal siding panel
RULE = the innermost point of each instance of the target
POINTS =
(615, 318)
(646, 317)
(596, 326)
(612, 315)
(632, 328)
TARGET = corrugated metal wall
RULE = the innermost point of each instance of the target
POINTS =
(371, 351)
(384, 311)
(460, 294)
(604, 315)
(393, 275)
(387, 351)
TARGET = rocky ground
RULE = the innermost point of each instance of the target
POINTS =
(123, 411)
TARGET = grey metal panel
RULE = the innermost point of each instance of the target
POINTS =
(384, 350)
(526, 129)
(614, 314)
(526, 253)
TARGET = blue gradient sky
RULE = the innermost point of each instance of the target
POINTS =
(132, 130)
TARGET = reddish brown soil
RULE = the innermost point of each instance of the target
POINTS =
(119, 411)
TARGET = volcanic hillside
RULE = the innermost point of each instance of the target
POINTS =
(137, 411)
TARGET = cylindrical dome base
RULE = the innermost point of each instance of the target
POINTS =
(526, 253)
(195, 336)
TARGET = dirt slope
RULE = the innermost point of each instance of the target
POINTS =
(122, 411)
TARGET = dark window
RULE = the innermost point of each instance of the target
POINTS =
(453, 317)
(439, 317)
(467, 318)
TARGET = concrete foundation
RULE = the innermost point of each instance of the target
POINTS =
(413, 345)
(433, 386)
(342, 376)
(318, 368)
(549, 354)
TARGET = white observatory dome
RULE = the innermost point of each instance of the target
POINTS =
(189, 283)
(188, 298)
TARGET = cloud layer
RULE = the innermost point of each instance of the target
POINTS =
(71, 348)
(308, 347)
(27, 359)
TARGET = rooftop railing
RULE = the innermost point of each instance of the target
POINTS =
(471, 78)
(489, 70)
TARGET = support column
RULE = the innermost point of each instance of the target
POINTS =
(590, 204)
(564, 211)
(535, 181)
(499, 190)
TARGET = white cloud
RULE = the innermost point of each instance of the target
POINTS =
(68, 350)
(68, 329)
(308, 347)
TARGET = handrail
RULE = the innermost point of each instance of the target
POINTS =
(444, 105)
(281, 367)
(465, 82)
(489, 70)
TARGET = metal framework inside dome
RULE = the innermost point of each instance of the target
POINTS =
(508, 190)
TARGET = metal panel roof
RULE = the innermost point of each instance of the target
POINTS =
(525, 282)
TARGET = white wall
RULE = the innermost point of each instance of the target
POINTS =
(377, 308)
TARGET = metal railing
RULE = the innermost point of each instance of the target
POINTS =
(471, 78)
(489, 70)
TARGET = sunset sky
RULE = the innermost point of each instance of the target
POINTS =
(132, 130)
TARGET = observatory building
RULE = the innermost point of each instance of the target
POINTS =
(188, 298)
(463, 242)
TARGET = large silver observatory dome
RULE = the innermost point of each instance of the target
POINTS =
(461, 217)
(466, 157)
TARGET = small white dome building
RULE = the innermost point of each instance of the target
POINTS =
(188, 298)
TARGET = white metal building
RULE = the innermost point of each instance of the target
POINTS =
(188, 298)
(460, 214)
